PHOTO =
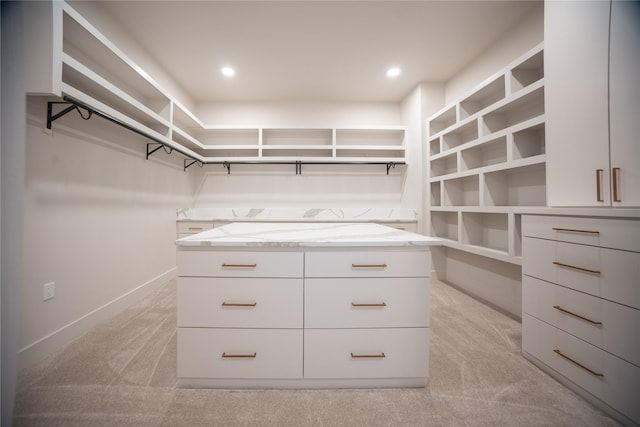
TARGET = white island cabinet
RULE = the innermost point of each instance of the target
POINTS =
(303, 305)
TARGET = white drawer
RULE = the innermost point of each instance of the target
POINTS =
(239, 353)
(366, 302)
(411, 227)
(368, 264)
(618, 322)
(617, 279)
(605, 232)
(239, 264)
(240, 302)
(192, 227)
(619, 381)
(366, 353)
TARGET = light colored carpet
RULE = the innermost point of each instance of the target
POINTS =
(123, 373)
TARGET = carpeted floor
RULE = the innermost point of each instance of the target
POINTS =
(123, 373)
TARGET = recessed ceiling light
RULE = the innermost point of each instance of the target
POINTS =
(393, 72)
(228, 71)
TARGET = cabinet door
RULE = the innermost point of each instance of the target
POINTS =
(576, 51)
(624, 81)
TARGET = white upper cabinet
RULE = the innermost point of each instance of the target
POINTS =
(624, 102)
(592, 83)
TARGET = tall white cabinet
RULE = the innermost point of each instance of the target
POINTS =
(592, 103)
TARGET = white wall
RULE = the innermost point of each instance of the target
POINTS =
(99, 221)
(12, 180)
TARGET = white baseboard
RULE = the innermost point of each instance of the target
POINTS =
(46, 346)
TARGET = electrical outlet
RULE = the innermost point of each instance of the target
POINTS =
(49, 291)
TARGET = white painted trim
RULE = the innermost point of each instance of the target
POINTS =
(47, 345)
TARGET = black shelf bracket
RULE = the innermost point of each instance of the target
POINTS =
(227, 166)
(190, 162)
(159, 146)
(389, 166)
(70, 107)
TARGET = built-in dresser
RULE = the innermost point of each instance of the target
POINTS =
(303, 305)
(581, 306)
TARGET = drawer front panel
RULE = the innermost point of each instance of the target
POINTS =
(619, 380)
(240, 302)
(239, 353)
(618, 322)
(368, 264)
(617, 271)
(366, 353)
(192, 227)
(608, 233)
(366, 303)
(239, 264)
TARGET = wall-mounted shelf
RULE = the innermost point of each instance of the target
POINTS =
(486, 161)
(93, 74)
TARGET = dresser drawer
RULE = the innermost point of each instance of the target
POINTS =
(611, 379)
(366, 303)
(366, 353)
(192, 227)
(602, 323)
(239, 264)
(240, 302)
(608, 233)
(368, 264)
(239, 353)
(614, 273)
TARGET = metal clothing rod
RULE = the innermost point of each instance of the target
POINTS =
(76, 105)
(299, 163)
(51, 118)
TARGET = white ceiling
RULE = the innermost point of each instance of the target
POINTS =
(313, 50)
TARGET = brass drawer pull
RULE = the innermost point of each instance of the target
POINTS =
(233, 304)
(196, 228)
(368, 356)
(564, 310)
(571, 230)
(616, 196)
(599, 185)
(369, 265)
(597, 374)
(576, 268)
(225, 265)
(239, 356)
(374, 304)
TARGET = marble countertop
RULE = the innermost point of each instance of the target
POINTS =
(260, 234)
(298, 214)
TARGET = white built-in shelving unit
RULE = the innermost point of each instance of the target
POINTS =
(92, 72)
(486, 161)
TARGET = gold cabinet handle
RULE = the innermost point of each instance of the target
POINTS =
(592, 372)
(616, 196)
(599, 185)
(573, 230)
(227, 265)
(233, 304)
(196, 228)
(576, 268)
(368, 356)
(239, 356)
(373, 304)
(369, 265)
(564, 310)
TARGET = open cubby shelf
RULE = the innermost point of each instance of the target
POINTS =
(486, 161)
